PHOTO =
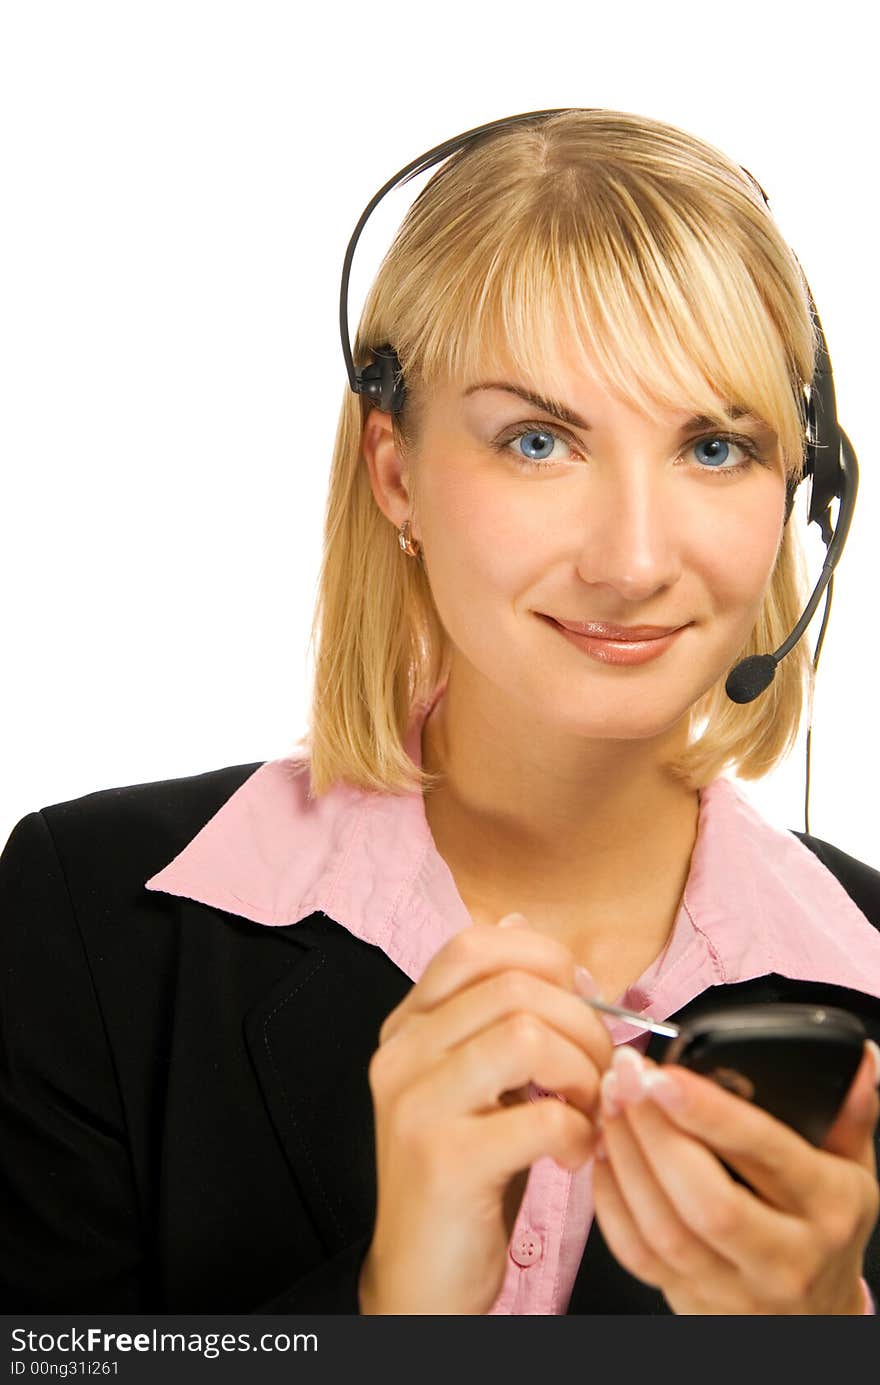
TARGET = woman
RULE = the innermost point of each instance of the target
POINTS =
(268, 1046)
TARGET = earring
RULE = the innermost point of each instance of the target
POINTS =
(408, 544)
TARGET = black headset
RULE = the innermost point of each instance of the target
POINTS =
(830, 460)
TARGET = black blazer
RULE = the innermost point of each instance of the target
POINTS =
(186, 1123)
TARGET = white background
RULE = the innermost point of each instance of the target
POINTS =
(179, 184)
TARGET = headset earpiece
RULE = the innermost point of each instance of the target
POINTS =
(382, 380)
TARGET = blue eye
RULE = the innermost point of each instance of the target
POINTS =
(546, 438)
(539, 440)
(715, 441)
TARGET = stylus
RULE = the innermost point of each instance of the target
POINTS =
(643, 1022)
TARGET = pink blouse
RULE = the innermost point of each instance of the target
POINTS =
(756, 901)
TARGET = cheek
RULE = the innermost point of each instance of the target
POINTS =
(737, 562)
(482, 545)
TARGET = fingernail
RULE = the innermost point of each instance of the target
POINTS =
(875, 1054)
(609, 1092)
(513, 921)
(625, 1056)
(660, 1087)
(585, 984)
(629, 1067)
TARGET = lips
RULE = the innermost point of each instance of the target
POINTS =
(598, 630)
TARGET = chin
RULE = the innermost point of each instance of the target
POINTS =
(586, 714)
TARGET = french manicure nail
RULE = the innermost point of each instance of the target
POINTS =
(609, 1092)
(660, 1087)
(875, 1054)
(625, 1056)
(513, 921)
(629, 1066)
(585, 984)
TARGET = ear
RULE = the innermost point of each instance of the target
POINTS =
(386, 467)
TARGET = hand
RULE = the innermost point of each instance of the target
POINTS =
(673, 1216)
(495, 1008)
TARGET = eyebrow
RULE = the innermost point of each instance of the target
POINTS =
(567, 415)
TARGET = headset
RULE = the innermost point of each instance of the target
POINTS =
(830, 460)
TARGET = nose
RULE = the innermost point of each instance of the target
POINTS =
(628, 528)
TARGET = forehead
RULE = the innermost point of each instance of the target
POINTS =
(566, 376)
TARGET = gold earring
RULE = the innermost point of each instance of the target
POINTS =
(407, 543)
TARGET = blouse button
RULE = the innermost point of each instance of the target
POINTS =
(526, 1248)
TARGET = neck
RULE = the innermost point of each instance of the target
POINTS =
(527, 812)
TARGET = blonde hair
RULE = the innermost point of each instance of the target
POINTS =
(661, 257)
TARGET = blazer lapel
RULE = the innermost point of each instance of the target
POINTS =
(310, 1040)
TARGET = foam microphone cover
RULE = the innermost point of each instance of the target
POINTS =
(750, 677)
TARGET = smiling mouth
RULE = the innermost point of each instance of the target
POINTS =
(633, 634)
